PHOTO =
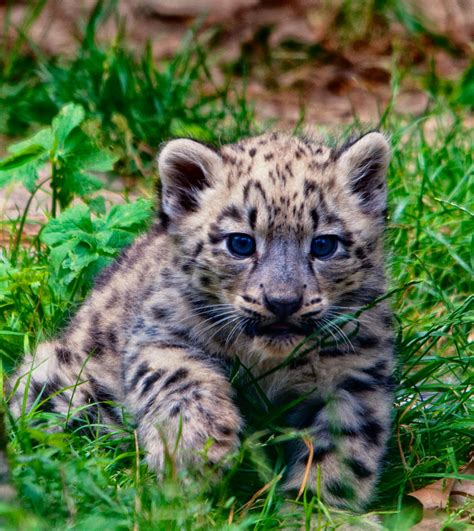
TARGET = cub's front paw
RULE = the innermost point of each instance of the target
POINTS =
(222, 437)
(191, 428)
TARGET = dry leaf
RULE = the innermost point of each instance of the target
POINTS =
(432, 521)
(463, 490)
(438, 495)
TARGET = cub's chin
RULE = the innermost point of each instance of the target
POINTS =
(277, 346)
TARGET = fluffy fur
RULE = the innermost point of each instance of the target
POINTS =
(158, 333)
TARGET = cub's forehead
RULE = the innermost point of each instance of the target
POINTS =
(278, 162)
(276, 146)
(277, 184)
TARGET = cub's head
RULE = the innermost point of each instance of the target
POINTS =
(277, 234)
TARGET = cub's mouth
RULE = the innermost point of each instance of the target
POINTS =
(280, 329)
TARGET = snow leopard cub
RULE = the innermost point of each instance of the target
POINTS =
(258, 245)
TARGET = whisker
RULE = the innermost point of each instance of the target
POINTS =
(214, 323)
(326, 328)
(242, 328)
(339, 330)
(201, 311)
(232, 332)
(229, 323)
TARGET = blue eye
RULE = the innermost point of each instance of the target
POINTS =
(323, 246)
(241, 245)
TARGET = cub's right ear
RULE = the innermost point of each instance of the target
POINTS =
(362, 166)
(186, 168)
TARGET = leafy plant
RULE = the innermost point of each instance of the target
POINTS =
(82, 244)
(72, 154)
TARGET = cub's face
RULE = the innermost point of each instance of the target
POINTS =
(278, 235)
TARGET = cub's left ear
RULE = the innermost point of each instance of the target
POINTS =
(363, 166)
(186, 169)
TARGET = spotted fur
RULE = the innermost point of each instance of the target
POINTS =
(158, 334)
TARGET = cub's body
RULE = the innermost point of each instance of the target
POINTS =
(236, 268)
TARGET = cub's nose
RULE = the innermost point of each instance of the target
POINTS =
(283, 307)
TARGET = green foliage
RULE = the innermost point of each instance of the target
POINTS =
(356, 21)
(81, 245)
(431, 241)
(71, 152)
(457, 92)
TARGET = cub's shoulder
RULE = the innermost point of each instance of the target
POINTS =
(145, 256)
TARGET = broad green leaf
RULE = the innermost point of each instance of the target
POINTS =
(69, 118)
(59, 253)
(81, 152)
(21, 158)
(79, 259)
(82, 183)
(97, 205)
(43, 138)
(72, 153)
(123, 216)
(27, 175)
(74, 221)
(111, 240)
(92, 160)
(25, 159)
(81, 245)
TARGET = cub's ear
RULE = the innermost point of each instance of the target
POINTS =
(363, 166)
(186, 168)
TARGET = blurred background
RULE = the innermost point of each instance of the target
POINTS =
(335, 59)
(148, 70)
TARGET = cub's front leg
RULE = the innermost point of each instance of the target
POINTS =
(348, 430)
(181, 403)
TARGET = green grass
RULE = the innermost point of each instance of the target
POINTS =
(78, 480)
